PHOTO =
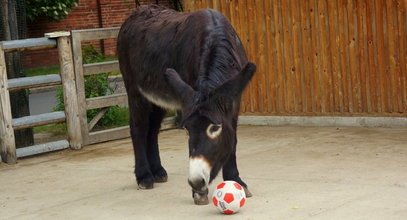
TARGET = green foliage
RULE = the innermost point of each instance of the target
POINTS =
(42, 71)
(97, 85)
(55, 10)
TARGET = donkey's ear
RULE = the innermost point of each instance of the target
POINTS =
(236, 85)
(182, 89)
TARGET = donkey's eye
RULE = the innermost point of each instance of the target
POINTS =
(213, 131)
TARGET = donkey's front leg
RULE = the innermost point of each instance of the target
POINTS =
(230, 171)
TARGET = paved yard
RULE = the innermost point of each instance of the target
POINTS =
(293, 172)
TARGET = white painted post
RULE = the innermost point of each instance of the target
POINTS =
(7, 141)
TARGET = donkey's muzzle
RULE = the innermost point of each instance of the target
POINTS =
(198, 185)
(199, 172)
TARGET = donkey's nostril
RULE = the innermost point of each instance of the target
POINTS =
(197, 184)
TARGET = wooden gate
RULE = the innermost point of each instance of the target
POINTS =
(102, 102)
(8, 150)
(322, 57)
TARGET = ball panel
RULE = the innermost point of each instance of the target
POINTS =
(215, 201)
(221, 185)
(238, 186)
(242, 201)
(228, 212)
(229, 198)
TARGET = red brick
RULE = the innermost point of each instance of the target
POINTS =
(84, 16)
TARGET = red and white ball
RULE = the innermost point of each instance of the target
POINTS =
(229, 197)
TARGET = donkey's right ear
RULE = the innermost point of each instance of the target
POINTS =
(182, 89)
(236, 85)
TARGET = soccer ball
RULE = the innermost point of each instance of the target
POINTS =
(229, 197)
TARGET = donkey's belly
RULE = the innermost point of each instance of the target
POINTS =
(161, 99)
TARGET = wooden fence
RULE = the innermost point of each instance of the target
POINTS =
(8, 150)
(72, 75)
(322, 57)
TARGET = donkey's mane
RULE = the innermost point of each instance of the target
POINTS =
(219, 63)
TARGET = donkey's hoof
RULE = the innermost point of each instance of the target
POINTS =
(201, 199)
(147, 183)
(247, 192)
(161, 176)
(161, 179)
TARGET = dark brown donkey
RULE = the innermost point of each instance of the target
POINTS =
(194, 62)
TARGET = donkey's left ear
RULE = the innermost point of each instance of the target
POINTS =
(236, 85)
(182, 89)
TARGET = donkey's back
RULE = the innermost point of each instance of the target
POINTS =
(155, 38)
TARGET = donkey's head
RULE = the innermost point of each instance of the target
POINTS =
(210, 121)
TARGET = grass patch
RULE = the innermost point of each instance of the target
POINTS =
(55, 129)
(56, 69)
(42, 71)
(120, 116)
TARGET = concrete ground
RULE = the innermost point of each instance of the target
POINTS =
(293, 173)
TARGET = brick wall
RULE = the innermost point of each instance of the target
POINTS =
(88, 14)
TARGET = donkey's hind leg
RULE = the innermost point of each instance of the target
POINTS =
(153, 152)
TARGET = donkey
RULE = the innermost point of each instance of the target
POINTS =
(194, 62)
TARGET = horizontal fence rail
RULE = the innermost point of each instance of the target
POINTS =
(29, 44)
(106, 101)
(102, 67)
(34, 82)
(42, 148)
(327, 57)
(97, 33)
(38, 120)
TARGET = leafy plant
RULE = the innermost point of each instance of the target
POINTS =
(54, 10)
(97, 85)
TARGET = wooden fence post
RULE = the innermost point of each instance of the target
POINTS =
(80, 85)
(7, 141)
(69, 88)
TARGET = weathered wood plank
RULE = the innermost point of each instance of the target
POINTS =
(80, 85)
(38, 120)
(402, 20)
(372, 56)
(97, 117)
(7, 141)
(97, 33)
(70, 92)
(297, 67)
(28, 44)
(383, 98)
(335, 56)
(307, 54)
(42, 148)
(108, 135)
(278, 38)
(106, 101)
(124, 132)
(102, 67)
(34, 82)
(315, 49)
(325, 58)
